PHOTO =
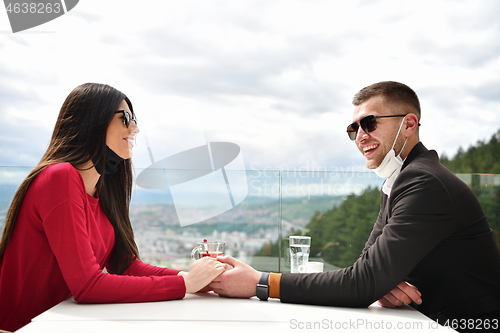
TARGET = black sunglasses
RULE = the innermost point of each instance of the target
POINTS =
(126, 118)
(368, 124)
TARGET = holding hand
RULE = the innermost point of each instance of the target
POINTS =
(404, 293)
(202, 272)
(241, 281)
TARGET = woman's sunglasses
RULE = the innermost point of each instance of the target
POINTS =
(126, 118)
(368, 124)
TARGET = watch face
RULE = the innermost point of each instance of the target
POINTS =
(262, 292)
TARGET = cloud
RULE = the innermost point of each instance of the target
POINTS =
(275, 77)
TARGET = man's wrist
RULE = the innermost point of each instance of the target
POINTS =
(262, 291)
(274, 285)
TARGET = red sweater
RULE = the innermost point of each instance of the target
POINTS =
(60, 244)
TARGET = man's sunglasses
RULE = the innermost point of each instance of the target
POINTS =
(126, 118)
(368, 124)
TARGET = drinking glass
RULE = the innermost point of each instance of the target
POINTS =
(208, 249)
(299, 252)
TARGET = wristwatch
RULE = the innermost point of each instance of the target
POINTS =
(263, 287)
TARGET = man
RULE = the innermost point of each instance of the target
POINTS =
(431, 232)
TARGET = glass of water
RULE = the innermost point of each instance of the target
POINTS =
(299, 252)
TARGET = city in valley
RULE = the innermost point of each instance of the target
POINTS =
(249, 230)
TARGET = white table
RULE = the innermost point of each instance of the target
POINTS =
(211, 313)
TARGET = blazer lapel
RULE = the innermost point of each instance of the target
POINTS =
(416, 151)
(385, 208)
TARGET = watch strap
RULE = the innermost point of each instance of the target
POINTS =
(263, 287)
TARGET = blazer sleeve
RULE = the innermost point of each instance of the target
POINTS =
(421, 215)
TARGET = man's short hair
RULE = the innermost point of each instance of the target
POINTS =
(396, 93)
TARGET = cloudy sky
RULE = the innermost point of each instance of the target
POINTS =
(274, 77)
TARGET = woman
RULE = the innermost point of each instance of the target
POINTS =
(68, 231)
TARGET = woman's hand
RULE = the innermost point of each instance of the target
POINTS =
(202, 272)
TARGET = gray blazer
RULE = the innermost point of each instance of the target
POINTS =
(431, 232)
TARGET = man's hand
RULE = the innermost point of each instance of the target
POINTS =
(241, 281)
(404, 293)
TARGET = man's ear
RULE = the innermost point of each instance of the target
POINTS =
(411, 124)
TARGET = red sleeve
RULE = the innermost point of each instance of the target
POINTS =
(138, 268)
(70, 238)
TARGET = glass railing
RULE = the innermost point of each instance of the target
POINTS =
(255, 211)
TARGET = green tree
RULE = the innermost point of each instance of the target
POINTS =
(340, 234)
(483, 158)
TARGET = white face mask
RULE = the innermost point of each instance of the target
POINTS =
(391, 162)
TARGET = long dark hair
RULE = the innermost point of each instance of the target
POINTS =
(79, 136)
